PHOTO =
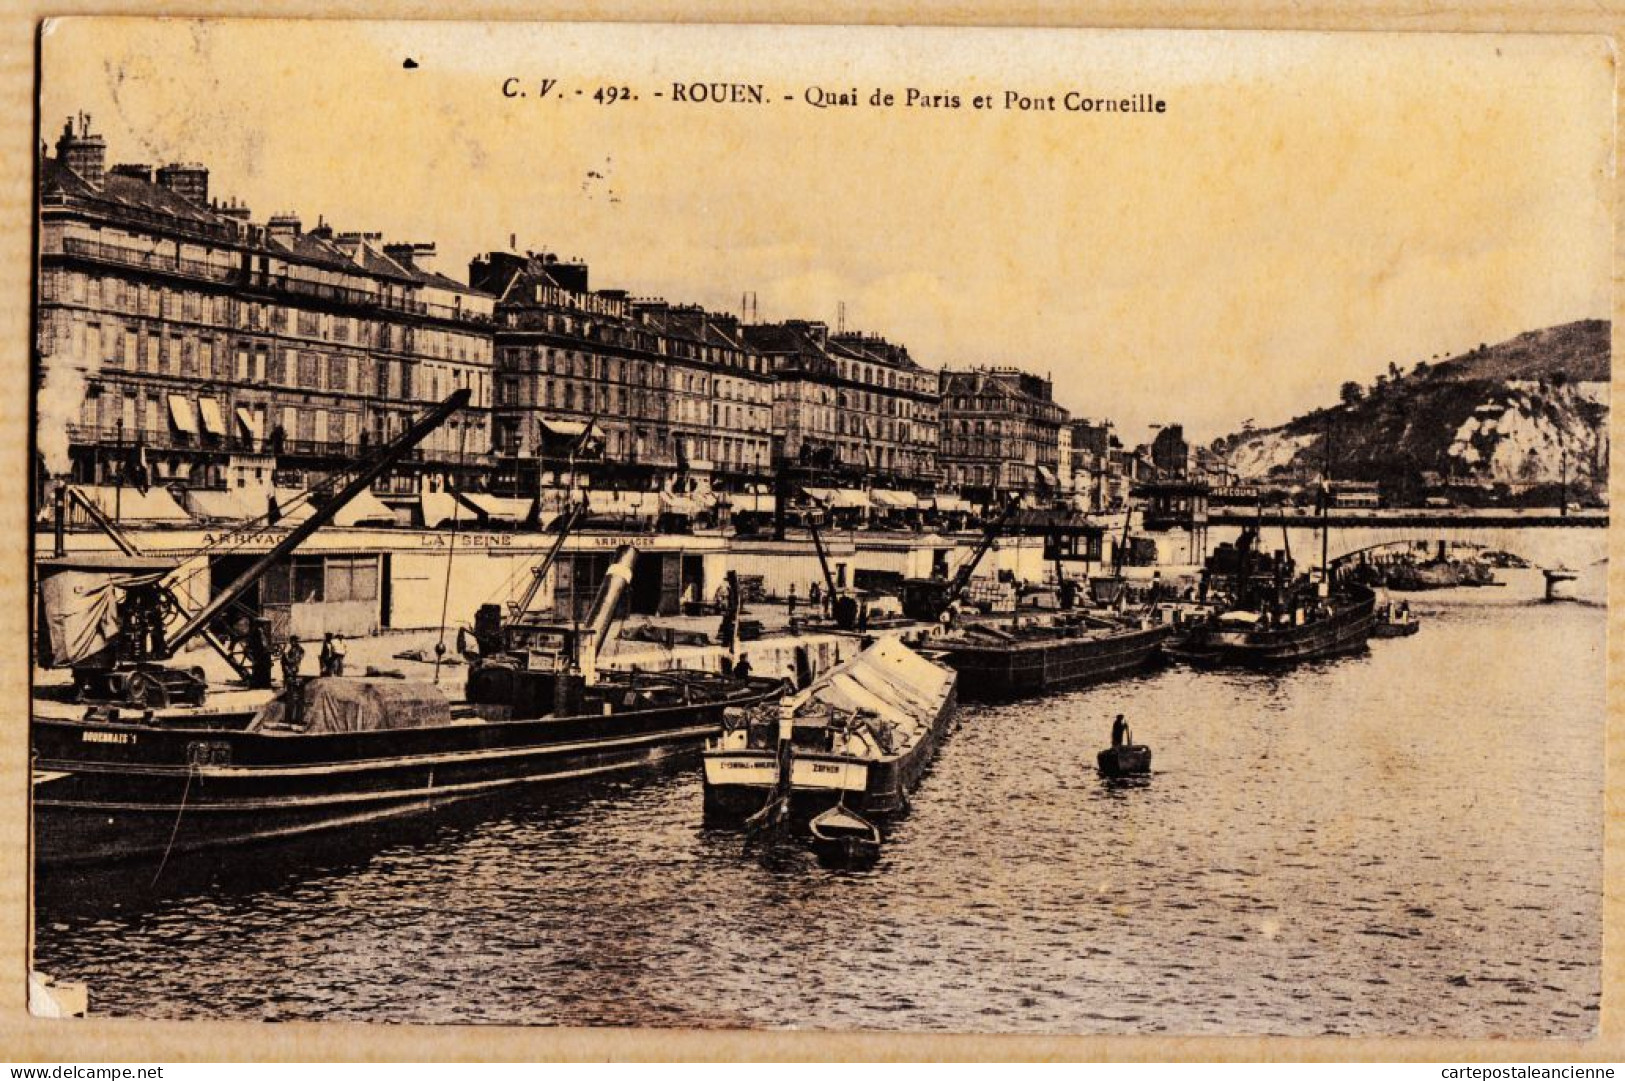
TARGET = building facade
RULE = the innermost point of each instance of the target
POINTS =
(1000, 433)
(641, 392)
(178, 338)
(854, 405)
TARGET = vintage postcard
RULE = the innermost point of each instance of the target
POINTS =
(826, 528)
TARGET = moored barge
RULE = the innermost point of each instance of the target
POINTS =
(996, 663)
(862, 735)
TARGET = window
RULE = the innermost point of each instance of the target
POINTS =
(352, 578)
(338, 373)
(308, 575)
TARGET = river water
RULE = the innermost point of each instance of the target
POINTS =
(1404, 843)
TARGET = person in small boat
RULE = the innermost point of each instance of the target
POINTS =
(1122, 735)
(324, 656)
(742, 667)
(338, 650)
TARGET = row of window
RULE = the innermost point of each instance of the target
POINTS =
(117, 294)
(143, 347)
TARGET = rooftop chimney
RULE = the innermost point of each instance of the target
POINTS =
(233, 210)
(84, 153)
(284, 227)
(416, 256)
(137, 170)
(190, 181)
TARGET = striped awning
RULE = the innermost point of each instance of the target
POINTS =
(132, 504)
(894, 500)
(250, 423)
(442, 509)
(494, 508)
(208, 411)
(182, 414)
(840, 498)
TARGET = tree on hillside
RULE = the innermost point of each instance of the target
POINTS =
(1422, 369)
(1394, 374)
(1351, 393)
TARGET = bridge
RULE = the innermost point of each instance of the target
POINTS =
(1544, 537)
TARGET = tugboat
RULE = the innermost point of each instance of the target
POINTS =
(1069, 650)
(1275, 615)
(859, 738)
(146, 761)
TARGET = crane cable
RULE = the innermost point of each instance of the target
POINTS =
(451, 550)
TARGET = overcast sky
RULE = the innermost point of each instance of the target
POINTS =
(1308, 209)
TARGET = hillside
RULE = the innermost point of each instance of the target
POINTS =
(1500, 415)
(1577, 351)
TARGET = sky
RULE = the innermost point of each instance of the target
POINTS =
(1308, 208)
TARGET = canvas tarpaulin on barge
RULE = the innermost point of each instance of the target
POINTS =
(343, 704)
(81, 601)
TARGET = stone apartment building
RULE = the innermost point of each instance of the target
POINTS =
(1000, 433)
(641, 393)
(855, 406)
(178, 337)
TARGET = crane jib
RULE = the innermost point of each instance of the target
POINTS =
(391, 453)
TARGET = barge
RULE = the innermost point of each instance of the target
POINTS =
(860, 736)
(998, 663)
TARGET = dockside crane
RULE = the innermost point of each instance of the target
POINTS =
(930, 599)
(108, 617)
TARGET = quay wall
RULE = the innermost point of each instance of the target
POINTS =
(419, 570)
(771, 656)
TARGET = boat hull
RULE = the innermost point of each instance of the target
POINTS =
(1395, 630)
(110, 790)
(1127, 761)
(1020, 669)
(1345, 631)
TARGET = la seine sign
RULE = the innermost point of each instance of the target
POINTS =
(506, 540)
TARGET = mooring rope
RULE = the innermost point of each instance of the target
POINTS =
(191, 769)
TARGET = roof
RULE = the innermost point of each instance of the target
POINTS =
(119, 192)
(874, 350)
(441, 281)
(105, 563)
